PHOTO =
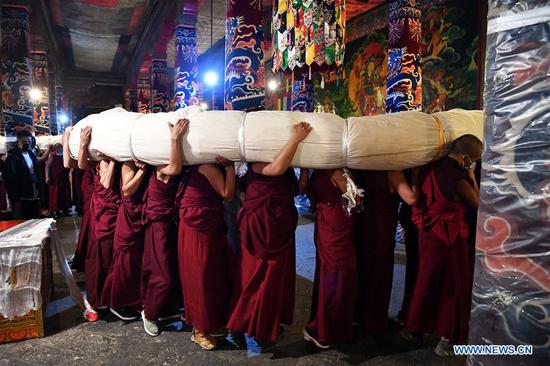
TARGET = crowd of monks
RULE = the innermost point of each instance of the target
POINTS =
(154, 241)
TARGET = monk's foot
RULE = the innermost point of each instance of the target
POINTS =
(253, 348)
(91, 315)
(444, 348)
(125, 314)
(150, 326)
(311, 337)
(236, 339)
(205, 341)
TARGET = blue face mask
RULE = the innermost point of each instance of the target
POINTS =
(59, 153)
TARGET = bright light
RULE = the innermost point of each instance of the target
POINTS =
(35, 94)
(204, 106)
(211, 78)
(272, 84)
(63, 118)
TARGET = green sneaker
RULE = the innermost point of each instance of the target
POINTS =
(150, 327)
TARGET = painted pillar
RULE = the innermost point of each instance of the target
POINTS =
(53, 109)
(159, 86)
(41, 116)
(15, 69)
(144, 92)
(244, 86)
(404, 78)
(302, 98)
(130, 100)
(62, 115)
(186, 63)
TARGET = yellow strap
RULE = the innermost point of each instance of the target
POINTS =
(441, 133)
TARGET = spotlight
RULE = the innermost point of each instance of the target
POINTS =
(210, 78)
(35, 95)
(272, 84)
(63, 118)
(204, 106)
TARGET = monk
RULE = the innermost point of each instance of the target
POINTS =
(160, 289)
(105, 203)
(204, 249)
(57, 179)
(87, 187)
(122, 287)
(267, 223)
(335, 284)
(449, 198)
(376, 242)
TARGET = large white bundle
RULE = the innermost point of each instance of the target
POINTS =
(210, 134)
(406, 139)
(385, 142)
(266, 132)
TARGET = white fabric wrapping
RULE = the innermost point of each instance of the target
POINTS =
(266, 132)
(21, 267)
(393, 141)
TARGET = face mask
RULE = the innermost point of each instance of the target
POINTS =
(26, 147)
(59, 153)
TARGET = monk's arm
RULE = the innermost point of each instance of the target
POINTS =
(467, 193)
(48, 167)
(68, 162)
(284, 158)
(83, 155)
(303, 181)
(176, 151)
(225, 187)
(339, 180)
(131, 178)
(107, 173)
(46, 154)
(401, 186)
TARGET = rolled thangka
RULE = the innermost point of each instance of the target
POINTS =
(385, 142)
(407, 139)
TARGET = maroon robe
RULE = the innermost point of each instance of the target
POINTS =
(335, 285)
(122, 287)
(203, 254)
(105, 204)
(87, 188)
(375, 250)
(441, 299)
(267, 221)
(160, 288)
(59, 186)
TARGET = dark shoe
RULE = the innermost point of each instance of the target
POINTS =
(236, 339)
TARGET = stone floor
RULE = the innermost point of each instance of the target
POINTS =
(69, 340)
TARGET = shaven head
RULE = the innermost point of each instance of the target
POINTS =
(467, 145)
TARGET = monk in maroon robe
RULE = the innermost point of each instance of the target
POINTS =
(57, 179)
(86, 188)
(335, 285)
(122, 287)
(104, 209)
(160, 288)
(267, 223)
(449, 197)
(376, 242)
(76, 183)
(204, 249)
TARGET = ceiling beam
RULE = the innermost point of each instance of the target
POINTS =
(88, 79)
(162, 11)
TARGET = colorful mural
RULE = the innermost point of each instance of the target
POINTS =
(187, 86)
(15, 66)
(450, 49)
(159, 86)
(450, 66)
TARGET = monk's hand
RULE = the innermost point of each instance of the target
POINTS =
(85, 136)
(102, 156)
(178, 130)
(300, 131)
(140, 165)
(223, 161)
(66, 134)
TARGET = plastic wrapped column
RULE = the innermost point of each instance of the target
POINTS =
(511, 292)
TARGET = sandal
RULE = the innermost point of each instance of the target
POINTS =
(205, 341)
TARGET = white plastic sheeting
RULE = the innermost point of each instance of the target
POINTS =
(395, 141)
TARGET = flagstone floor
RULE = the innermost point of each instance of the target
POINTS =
(71, 341)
